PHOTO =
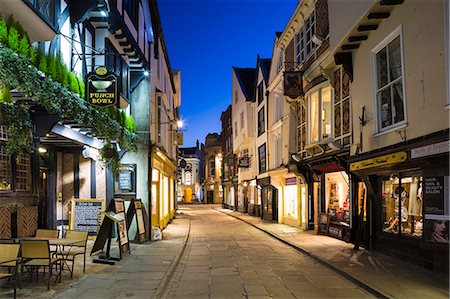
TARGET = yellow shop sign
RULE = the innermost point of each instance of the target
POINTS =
(379, 161)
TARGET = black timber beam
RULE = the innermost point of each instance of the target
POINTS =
(391, 2)
(378, 15)
(350, 47)
(357, 38)
(367, 27)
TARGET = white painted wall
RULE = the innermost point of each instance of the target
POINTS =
(424, 72)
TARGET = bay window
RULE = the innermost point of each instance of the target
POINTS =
(389, 91)
(320, 114)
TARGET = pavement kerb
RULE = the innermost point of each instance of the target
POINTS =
(162, 287)
(366, 286)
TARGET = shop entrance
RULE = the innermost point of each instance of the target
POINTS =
(270, 203)
(209, 196)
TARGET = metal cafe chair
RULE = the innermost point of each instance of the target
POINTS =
(47, 233)
(11, 251)
(80, 249)
(36, 254)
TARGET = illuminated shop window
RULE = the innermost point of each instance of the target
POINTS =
(291, 201)
(337, 196)
(402, 206)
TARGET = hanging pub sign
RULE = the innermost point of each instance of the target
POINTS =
(293, 84)
(244, 162)
(101, 88)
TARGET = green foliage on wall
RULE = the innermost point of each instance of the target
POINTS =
(5, 94)
(130, 124)
(73, 83)
(24, 46)
(15, 71)
(13, 39)
(51, 63)
(57, 90)
(43, 64)
(81, 86)
(3, 32)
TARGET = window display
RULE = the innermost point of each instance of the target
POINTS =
(337, 197)
(402, 206)
(291, 202)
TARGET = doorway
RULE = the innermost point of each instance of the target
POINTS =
(209, 196)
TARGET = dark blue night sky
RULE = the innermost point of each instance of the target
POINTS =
(205, 38)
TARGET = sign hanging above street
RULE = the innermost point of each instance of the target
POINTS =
(101, 88)
(244, 162)
(293, 84)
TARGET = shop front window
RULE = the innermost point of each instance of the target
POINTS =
(402, 206)
(337, 196)
(291, 202)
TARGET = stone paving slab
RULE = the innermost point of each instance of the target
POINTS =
(137, 275)
(392, 277)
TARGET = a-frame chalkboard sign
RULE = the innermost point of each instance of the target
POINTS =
(115, 214)
(137, 209)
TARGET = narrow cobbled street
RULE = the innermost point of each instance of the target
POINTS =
(228, 258)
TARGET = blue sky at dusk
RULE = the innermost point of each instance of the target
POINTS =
(205, 38)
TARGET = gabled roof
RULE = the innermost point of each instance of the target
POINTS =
(264, 64)
(246, 78)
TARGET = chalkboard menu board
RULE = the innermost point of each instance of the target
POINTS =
(324, 222)
(125, 180)
(85, 215)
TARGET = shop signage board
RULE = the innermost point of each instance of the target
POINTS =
(291, 181)
(86, 215)
(430, 150)
(179, 138)
(293, 84)
(122, 230)
(101, 88)
(379, 161)
(324, 222)
(433, 194)
(114, 215)
(136, 208)
(244, 162)
(125, 181)
(336, 231)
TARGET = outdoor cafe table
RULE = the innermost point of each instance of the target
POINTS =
(55, 241)
(60, 243)
(4, 260)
